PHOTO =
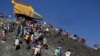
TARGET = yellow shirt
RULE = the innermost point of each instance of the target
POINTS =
(27, 36)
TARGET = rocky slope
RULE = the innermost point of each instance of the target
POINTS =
(8, 49)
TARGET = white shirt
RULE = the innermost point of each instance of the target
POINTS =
(37, 50)
(17, 42)
(32, 37)
(44, 41)
(68, 53)
(45, 23)
(47, 29)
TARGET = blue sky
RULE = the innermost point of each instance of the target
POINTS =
(81, 17)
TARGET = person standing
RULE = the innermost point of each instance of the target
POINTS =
(37, 51)
(56, 52)
(45, 45)
(3, 35)
(17, 44)
(60, 50)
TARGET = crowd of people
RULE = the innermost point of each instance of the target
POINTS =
(59, 52)
(3, 15)
(32, 33)
(74, 37)
(97, 46)
(35, 34)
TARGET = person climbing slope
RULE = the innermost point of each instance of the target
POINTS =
(68, 53)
